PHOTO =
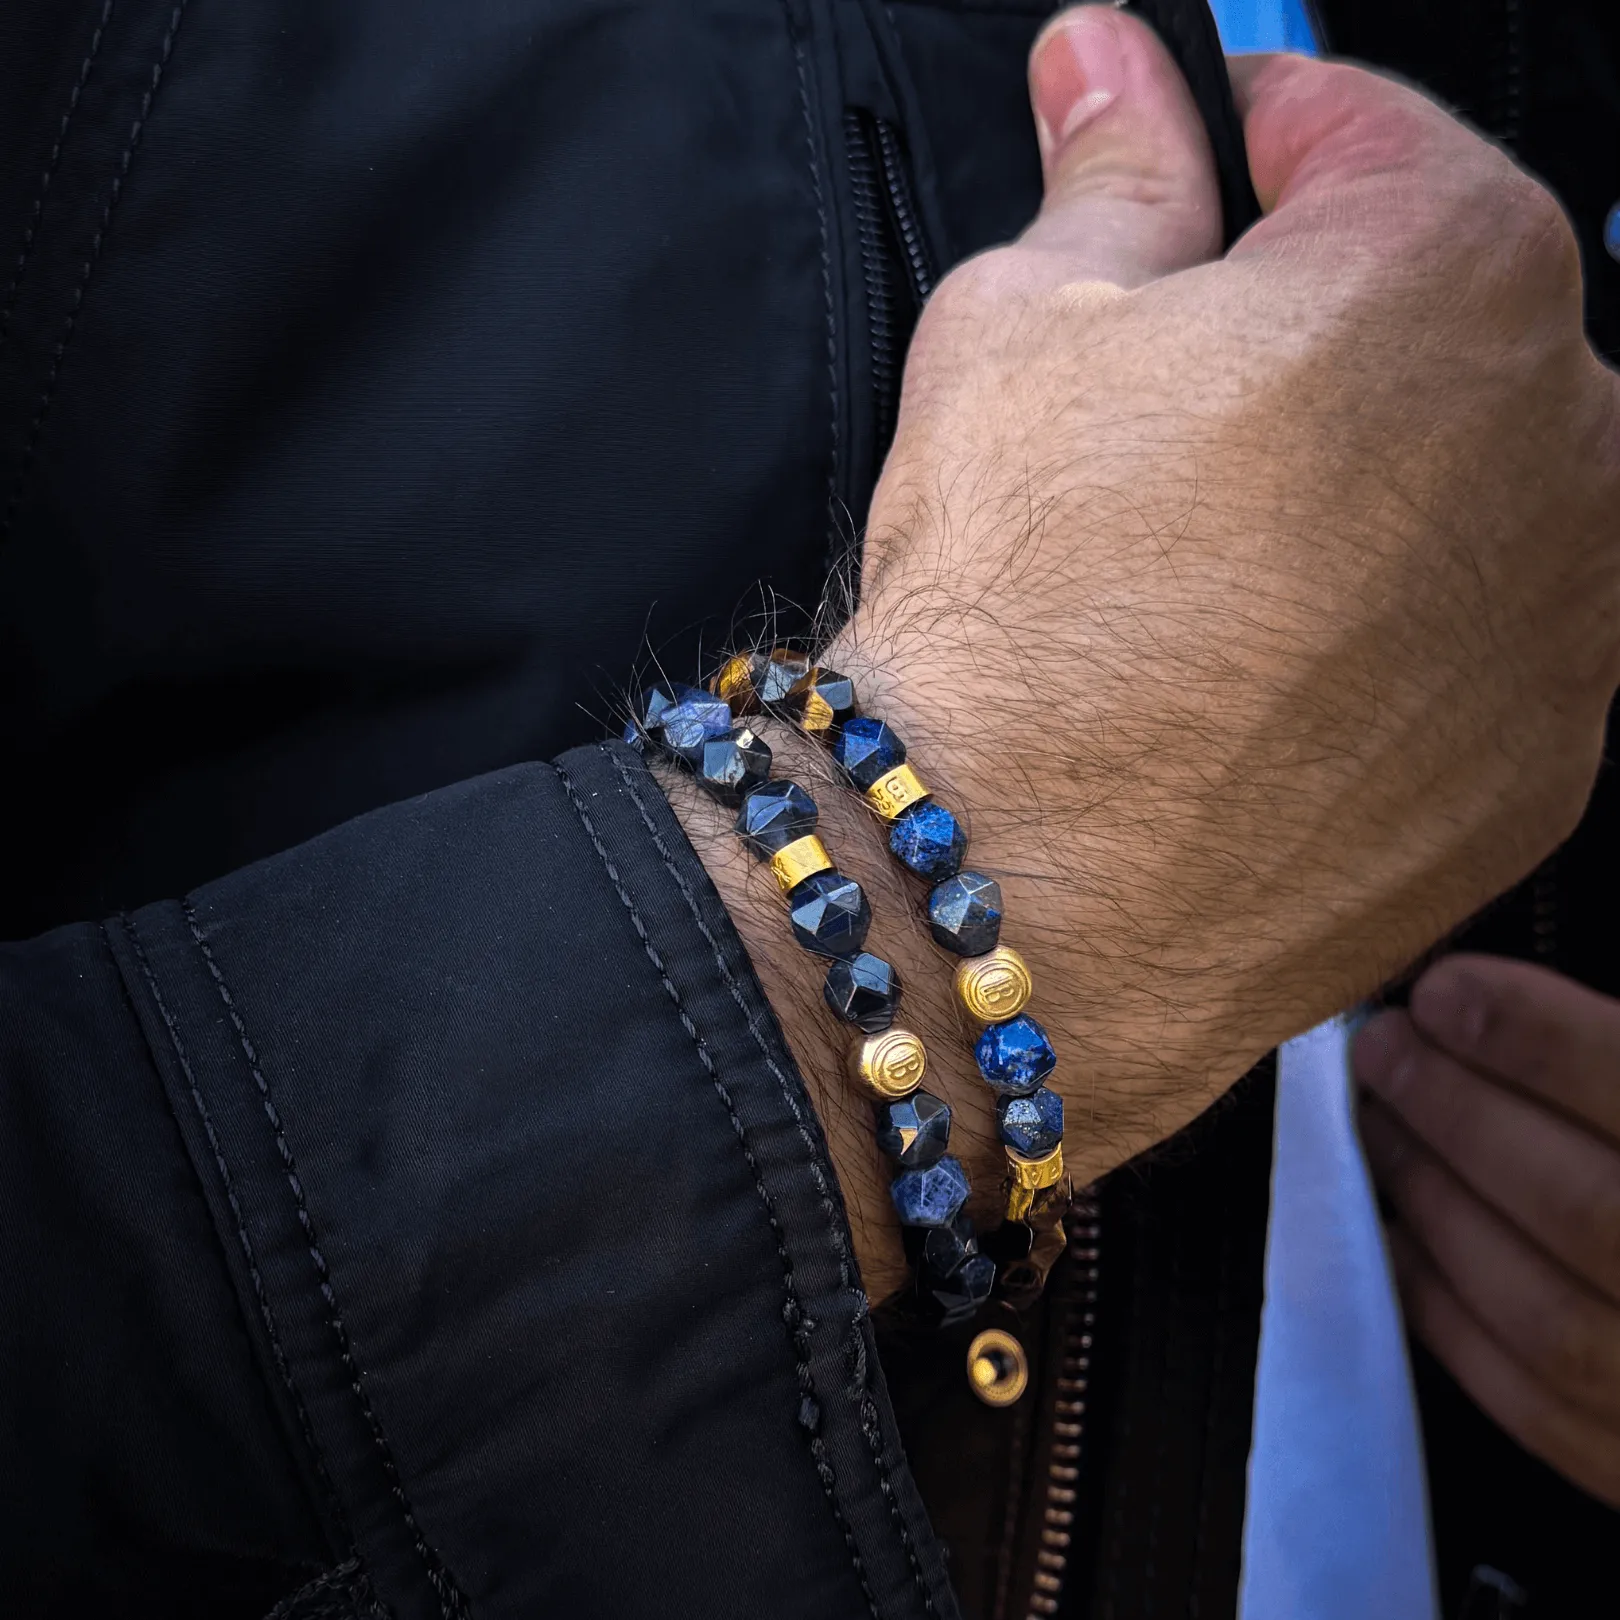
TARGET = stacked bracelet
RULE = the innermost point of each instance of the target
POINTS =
(830, 916)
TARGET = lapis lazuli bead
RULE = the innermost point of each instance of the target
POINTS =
(685, 726)
(931, 1197)
(867, 749)
(1015, 1057)
(658, 699)
(829, 914)
(964, 913)
(773, 816)
(959, 1296)
(929, 839)
(916, 1130)
(1031, 1125)
(732, 766)
(863, 991)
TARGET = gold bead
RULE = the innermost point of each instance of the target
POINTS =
(1026, 1177)
(889, 1065)
(895, 791)
(998, 1369)
(803, 858)
(996, 986)
(735, 683)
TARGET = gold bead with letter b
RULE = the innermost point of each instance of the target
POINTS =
(996, 986)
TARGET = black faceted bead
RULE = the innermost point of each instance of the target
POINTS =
(964, 913)
(945, 1248)
(864, 991)
(773, 816)
(916, 1130)
(777, 673)
(829, 914)
(732, 766)
(690, 722)
(959, 1297)
(867, 749)
(664, 695)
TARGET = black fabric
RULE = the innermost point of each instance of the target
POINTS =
(543, 1294)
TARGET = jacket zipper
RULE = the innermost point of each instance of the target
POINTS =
(1068, 1411)
(895, 263)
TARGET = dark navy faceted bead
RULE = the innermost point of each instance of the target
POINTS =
(773, 816)
(960, 1296)
(685, 726)
(867, 749)
(823, 700)
(915, 1131)
(829, 914)
(1015, 1057)
(864, 991)
(634, 736)
(732, 766)
(964, 913)
(1031, 1125)
(929, 839)
(661, 697)
(944, 1248)
(931, 1197)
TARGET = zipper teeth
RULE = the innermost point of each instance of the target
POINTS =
(903, 210)
(1069, 1412)
(875, 269)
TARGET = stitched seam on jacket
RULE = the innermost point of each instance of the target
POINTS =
(870, 1425)
(37, 425)
(244, 1240)
(37, 212)
(345, 1580)
(835, 534)
(452, 1603)
(798, 1324)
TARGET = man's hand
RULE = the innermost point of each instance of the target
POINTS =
(1494, 1132)
(1262, 613)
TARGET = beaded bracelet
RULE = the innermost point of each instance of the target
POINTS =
(992, 982)
(829, 915)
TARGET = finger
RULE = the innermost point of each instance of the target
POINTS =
(1130, 181)
(1542, 1032)
(1551, 1177)
(1558, 1329)
(1580, 1448)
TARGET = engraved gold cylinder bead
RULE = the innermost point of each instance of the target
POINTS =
(996, 986)
(890, 1066)
(896, 791)
(1027, 1177)
(803, 858)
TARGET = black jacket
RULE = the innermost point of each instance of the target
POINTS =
(426, 1213)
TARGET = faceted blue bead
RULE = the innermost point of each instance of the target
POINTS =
(1031, 1125)
(931, 1197)
(867, 749)
(940, 1250)
(1015, 1057)
(634, 736)
(915, 1131)
(829, 914)
(929, 839)
(685, 726)
(732, 766)
(661, 697)
(864, 991)
(964, 913)
(958, 1297)
(773, 816)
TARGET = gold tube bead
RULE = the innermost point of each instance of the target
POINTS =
(1026, 1177)
(890, 1065)
(994, 987)
(895, 791)
(803, 858)
(998, 1369)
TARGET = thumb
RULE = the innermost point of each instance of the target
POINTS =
(1131, 193)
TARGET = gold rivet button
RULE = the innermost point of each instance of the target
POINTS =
(803, 858)
(895, 791)
(996, 986)
(997, 1367)
(1026, 1177)
(889, 1065)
